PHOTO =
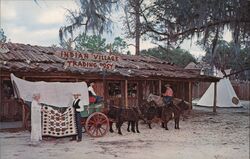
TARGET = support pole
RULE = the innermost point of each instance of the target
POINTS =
(24, 114)
(23, 117)
(215, 97)
(159, 87)
(126, 93)
(190, 95)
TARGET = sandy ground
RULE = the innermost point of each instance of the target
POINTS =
(203, 135)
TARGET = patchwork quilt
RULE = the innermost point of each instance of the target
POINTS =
(58, 122)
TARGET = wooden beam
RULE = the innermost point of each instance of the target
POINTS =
(159, 87)
(215, 97)
(126, 93)
(190, 95)
(23, 117)
(24, 113)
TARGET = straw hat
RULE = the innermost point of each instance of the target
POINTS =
(76, 93)
(36, 94)
(167, 85)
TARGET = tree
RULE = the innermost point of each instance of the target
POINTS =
(132, 21)
(177, 20)
(93, 15)
(2, 36)
(177, 56)
(224, 56)
(93, 43)
(119, 45)
(67, 44)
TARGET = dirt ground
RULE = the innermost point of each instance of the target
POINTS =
(203, 135)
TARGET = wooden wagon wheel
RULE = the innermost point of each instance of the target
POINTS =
(97, 124)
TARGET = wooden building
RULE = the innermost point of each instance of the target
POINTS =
(126, 79)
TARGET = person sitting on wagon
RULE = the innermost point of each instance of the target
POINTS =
(93, 94)
(78, 106)
(168, 95)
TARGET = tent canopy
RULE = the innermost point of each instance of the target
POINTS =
(57, 94)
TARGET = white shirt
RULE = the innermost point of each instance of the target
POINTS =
(36, 124)
(80, 104)
(92, 90)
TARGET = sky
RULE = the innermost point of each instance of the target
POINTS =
(24, 21)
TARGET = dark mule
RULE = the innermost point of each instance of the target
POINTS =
(150, 111)
(173, 112)
(135, 120)
(120, 115)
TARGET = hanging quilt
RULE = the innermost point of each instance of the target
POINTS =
(58, 122)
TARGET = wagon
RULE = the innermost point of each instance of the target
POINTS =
(59, 94)
(95, 123)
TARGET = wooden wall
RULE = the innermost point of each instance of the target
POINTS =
(137, 90)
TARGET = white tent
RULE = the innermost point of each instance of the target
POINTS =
(226, 96)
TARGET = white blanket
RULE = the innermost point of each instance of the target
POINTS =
(58, 94)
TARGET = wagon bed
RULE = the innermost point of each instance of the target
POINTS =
(95, 122)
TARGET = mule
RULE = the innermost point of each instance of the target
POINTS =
(135, 121)
(173, 112)
(120, 115)
(150, 111)
(160, 102)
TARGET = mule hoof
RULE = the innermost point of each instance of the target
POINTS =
(128, 130)
(138, 131)
(111, 131)
(120, 133)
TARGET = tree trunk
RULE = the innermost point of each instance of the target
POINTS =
(137, 27)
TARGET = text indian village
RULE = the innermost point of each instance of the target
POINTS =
(77, 59)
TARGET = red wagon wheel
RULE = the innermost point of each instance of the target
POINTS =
(97, 124)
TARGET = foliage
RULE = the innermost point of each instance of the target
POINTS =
(67, 44)
(93, 15)
(2, 36)
(93, 43)
(176, 20)
(119, 45)
(225, 56)
(177, 56)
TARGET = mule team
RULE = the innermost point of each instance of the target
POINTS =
(153, 107)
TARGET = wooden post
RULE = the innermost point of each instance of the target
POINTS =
(126, 93)
(215, 97)
(190, 95)
(24, 114)
(23, 117)
(159, 87)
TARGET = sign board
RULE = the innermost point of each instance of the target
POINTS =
(88, 60)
